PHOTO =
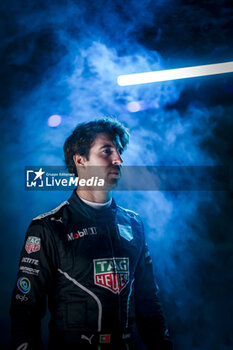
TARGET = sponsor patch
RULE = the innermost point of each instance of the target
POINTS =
(32, 244)
(85, 232)
(111, 273)
(30, 270)
(30, 261)
(21, 297)
(24, 285)
(125, 232)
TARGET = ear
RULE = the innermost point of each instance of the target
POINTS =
(79, 160)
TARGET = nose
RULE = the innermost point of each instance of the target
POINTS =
(117, 160)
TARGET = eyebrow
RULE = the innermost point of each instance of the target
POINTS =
(107, 145)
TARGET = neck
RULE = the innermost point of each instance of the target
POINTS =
(94, 196)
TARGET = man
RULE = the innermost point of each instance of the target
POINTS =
(90, 257)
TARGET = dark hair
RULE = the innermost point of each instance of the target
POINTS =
(83, 136)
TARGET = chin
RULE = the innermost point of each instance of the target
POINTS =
(111, 183)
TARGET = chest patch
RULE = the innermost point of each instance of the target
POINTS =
(90, 231)
(125, 232)
(111, 273)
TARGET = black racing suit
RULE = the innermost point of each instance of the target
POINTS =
(95, 268)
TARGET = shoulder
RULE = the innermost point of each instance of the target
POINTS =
(52, 213)
(129, 213)
(43, 225)
(50, 220)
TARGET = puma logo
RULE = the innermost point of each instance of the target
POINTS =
(59, 220)
(86, 338)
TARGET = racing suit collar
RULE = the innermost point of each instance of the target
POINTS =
(90, 212)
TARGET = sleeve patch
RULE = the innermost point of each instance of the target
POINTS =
(24, 285)
(32, 244)
(29, 270)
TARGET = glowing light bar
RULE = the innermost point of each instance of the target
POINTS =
(174, 74)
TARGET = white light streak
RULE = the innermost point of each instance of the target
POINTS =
(174, 74)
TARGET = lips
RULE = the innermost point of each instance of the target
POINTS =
(115, 172)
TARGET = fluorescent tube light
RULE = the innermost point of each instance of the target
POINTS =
(174, 74)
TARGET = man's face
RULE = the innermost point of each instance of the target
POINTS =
(104, 159)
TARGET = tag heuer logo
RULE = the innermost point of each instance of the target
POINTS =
(32, 244)
(112, 273)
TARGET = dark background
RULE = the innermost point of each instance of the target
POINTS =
(63, 57)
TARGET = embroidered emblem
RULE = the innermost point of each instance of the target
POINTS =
(125, 232)
(32, 244)
(112, 273)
